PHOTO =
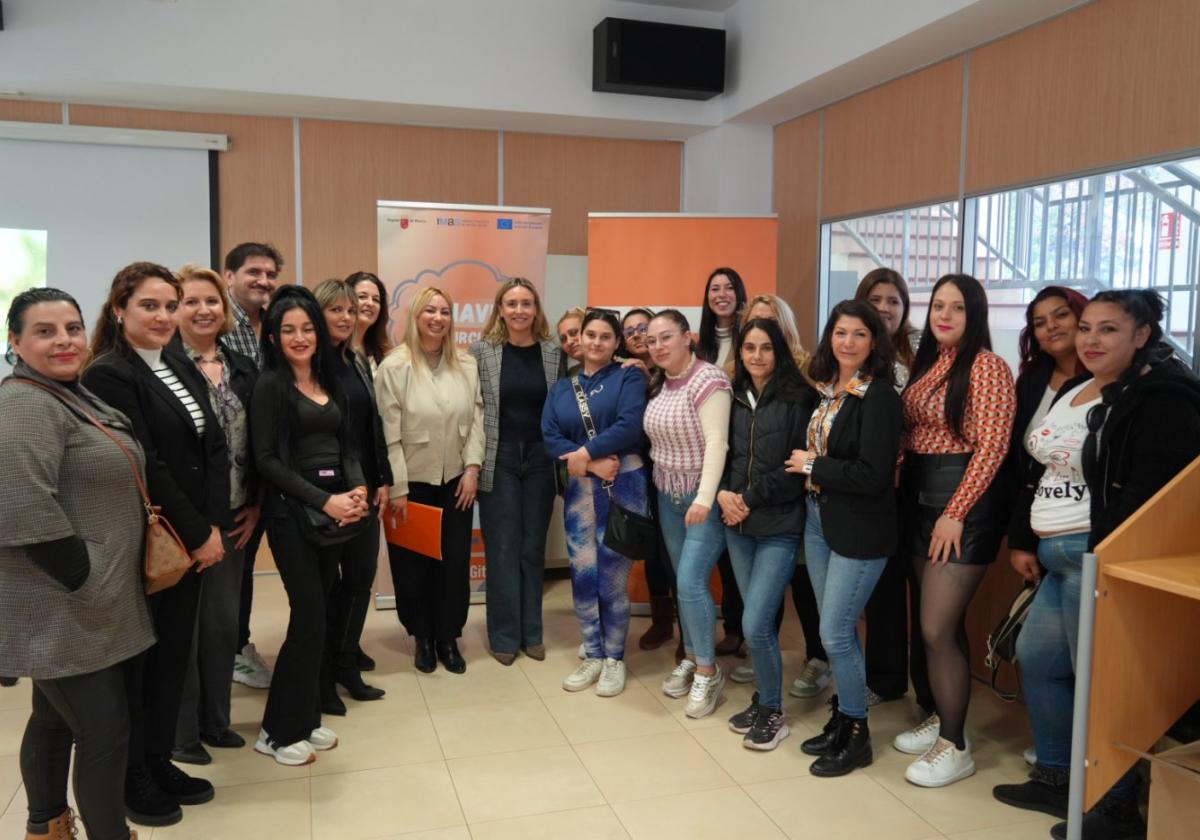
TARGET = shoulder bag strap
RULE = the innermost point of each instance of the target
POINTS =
(586, 414)
(137, 476)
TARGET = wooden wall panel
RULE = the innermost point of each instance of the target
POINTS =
(346, 167)
(23, 110)
(256, 178)
(574, 176)
(797, 173)
(1111, 82)
(895, 145)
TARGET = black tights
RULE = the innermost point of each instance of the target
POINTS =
(946, 590)
(90, 712)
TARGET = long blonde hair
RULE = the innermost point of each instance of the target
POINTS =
(412, 337)
(495, 331)
(787, 325)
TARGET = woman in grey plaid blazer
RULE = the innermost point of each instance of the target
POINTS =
(518, 364)
(72, 609)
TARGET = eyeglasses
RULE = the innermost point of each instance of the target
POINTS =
(640, 329)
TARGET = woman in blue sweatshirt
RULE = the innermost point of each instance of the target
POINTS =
(605, 465)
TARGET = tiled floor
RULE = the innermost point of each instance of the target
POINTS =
(506, 753)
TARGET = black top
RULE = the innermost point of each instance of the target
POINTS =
(187, 475)
(857, 474)
(366, 430)
(522, 393)
(1020, 468)
(316, 432)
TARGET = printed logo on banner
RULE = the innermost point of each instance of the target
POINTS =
(404, 224)
(504, 224)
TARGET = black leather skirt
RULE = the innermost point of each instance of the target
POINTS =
(927, 483)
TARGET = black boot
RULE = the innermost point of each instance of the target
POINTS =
(1115, 817)
(350, 678)
(184, 789)
(424, 658)
(851, 750)
(817, 745)
(1046, 791)
(145, 801)
(448, 655)
(662, 623)
(362, 661)
(331, 704)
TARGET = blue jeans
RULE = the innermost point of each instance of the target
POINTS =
(514, 518)
(1047, 644)
(694, 552)
(763, 567)
(843, 585)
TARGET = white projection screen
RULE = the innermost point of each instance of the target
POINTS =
(95, 208)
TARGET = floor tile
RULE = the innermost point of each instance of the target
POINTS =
(12, 729)
(585, 717)
(598, 823)
(504, 727)
(15, 696)
(748, 766)
(269, 809)
(651, 766)
(384, 802)
(10, 780)
(485, 683)
(708, 815)
(850, 806)
(522, 783)
(387, 739)
(1037, 828)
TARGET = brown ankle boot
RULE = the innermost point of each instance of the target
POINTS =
(662, 623)
(61, 827)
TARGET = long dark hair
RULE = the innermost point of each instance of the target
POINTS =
(285, 299)
(976, 337)
(824, 365)
(1030, 351)
(706, 347)
(109, 335)
(786, 376)
(622, 347)
(376, 342)
(659, 376)
(901, 345)
(607, 317)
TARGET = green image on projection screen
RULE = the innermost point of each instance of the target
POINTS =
(22, 264)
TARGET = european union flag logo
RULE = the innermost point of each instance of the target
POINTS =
(504, 224)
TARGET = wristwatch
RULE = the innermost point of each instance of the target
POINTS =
(808, 465)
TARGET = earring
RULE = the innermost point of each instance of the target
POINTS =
(120, 320)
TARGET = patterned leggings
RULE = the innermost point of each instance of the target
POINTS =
(599, 576)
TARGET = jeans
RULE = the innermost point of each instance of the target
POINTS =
(1047, 644)
(91, 711)
(205, 705)
(694, 551)
(764, 567)
(514, 517)
(843, 585)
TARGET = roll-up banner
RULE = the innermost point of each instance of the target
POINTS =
(662, 260)
(467, 251)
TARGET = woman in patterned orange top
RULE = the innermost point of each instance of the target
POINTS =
(958, 414)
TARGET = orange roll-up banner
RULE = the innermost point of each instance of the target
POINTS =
(468, 251)
(661, 260)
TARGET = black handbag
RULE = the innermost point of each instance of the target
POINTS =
(1002, 642)
(321, 529)
(627, 532)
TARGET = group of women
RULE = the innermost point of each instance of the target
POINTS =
(876, 475)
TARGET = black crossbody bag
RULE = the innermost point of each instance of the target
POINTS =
(628, 533)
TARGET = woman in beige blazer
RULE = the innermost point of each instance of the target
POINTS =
(428, 394)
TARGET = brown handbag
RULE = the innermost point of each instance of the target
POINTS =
(165, 560)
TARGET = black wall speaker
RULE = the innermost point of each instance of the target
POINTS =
(657, 59)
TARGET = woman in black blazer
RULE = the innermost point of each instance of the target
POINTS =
(851, 527)
(187, 474)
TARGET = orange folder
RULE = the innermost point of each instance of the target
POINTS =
(422, 532)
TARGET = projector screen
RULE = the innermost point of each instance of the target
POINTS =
(72, 214)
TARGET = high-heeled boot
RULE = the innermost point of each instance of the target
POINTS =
(331, 704)
(350, 678)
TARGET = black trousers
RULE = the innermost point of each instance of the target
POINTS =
(432, 596)
(91, 712)
(895, 649)
(154, 680)
(247, 594)
(308, 572)
(351, 596)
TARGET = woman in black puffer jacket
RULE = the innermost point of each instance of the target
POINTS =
(760, 504)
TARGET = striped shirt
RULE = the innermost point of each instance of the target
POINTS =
(168, 377)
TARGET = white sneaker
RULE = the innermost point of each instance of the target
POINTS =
(679, 682)
(942, 764)
(919, 739)
(583, 676)
(582, 651)
(873, 699)
(323, 738)
(1030, 756)
(812, 680)
(705, 695)
(250, 670)
(293, 755)
(742, 674)
(612, 678)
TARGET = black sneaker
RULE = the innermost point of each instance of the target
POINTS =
(181, 787)
(145, 801)
(224, 740)
(1046, 791)
(743, 721)
(769, 729)
(191, 754)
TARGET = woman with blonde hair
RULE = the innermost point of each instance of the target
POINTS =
(569, 329)
(518, 364)
(776, 309)
(433, 424)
